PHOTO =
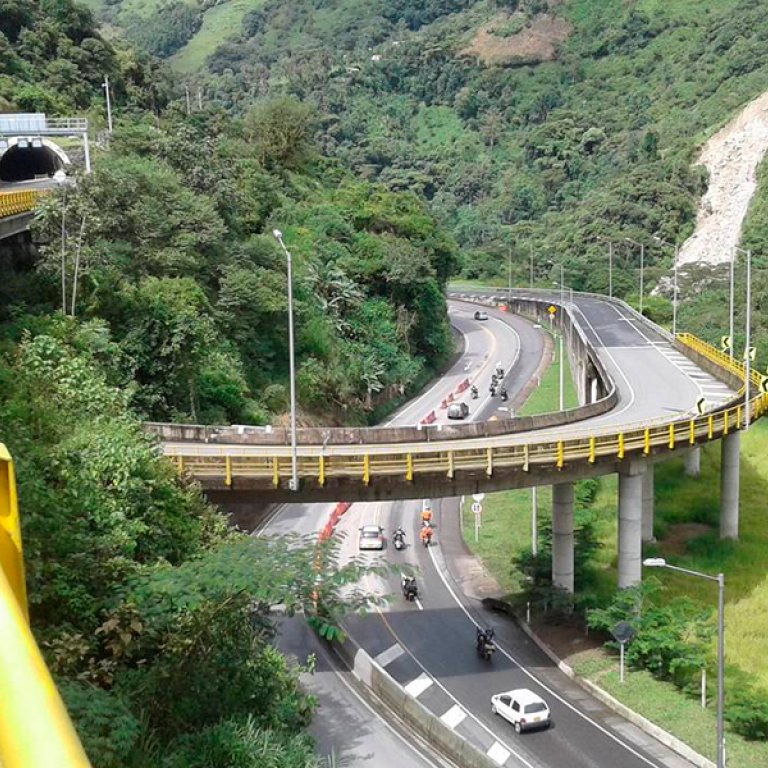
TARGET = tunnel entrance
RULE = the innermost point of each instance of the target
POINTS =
(21, 163)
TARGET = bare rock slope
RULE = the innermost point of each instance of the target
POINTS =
(732, 156)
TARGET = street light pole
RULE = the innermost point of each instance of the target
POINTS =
(676, 253)
(610, 263)
(730, 298)
(294, 483)
(642, 267)
(509, 275)
(531, 247)
(660, 562)
(105, 86)
(747, 333)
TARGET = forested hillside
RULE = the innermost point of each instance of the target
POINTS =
(153, 615)
(526, 124)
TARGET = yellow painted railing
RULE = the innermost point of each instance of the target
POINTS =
(720, 358)
(364, 463)
(35, 729)
(13, 203)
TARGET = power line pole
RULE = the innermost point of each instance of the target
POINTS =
(189, 105)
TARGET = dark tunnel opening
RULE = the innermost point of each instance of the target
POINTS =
(24, 163)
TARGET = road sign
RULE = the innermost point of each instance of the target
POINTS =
(725, 343)
(701, 405)
(764, 384)
(477, 507)
(478, 496)
(751, 352)
(551, 309)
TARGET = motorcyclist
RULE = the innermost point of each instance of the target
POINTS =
(473, 391)
(408, 585)
(398, 535)
(426, 516)
(484, 638)
(499, 370)
(493, 390)
(425, 535)
(503, 393)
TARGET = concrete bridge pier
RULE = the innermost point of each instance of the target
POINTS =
(729, 486)
(693, 462)
(630, 544)
(562, 536)
(649, 498)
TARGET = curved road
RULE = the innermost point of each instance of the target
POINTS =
(429, 646)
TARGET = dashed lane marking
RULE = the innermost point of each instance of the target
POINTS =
(416, 687)
(388, 656)
(497, 753)
(454, 716)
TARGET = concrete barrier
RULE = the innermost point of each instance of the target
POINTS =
(428, 725)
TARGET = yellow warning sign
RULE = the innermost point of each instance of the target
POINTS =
(551, 309)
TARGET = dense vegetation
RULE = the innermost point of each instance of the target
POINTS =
(541, 156)
(154, 616)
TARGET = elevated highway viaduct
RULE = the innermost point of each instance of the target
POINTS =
(639, 390)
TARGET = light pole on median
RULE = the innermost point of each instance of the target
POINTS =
(748, 331)
(294, 482)
(642, 266)
(562, 331)
(676, 252)
(105, 86)
(660, 562)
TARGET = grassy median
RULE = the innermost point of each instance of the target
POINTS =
(686, 528)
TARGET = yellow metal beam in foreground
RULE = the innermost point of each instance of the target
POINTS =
(35, 729)
(14, 203)
(11, 559)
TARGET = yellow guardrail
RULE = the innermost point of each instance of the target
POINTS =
(730, 364)
(366, 462)
(13, 203)
(35, 729)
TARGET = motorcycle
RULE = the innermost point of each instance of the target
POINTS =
(410, 590)
(398, 539)
(485, 645)
(475, 394)
(493, 390)
(426, 535)
(499, 371)
(504, 396)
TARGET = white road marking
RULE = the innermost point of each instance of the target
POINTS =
(453, 716)
(418, 603)
(387, 657)
(416, 687)
(533, 677)
(497, 753)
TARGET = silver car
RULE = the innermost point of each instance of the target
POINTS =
(371, 537)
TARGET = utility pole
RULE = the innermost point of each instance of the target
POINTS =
(200, 99)
(509, 274)
(105, 86)
(189, 105)
(747, 375)
(534, 521)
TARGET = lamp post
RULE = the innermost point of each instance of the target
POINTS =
(731, 270)
(531, 248)
(105, 86)
(676, 251)
(294, 482)
(610, 263)
(660, 562)
(747, 329)
(562, 330)
(509, 275)
(642, 266)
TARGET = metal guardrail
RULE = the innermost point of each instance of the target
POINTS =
(14, 203)
(39, 125)
(35, 729)
(363, 463)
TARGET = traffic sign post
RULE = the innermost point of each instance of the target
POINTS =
(623, 633)
(477, 509)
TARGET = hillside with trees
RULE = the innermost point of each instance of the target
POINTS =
(527, 125)
(153, 614)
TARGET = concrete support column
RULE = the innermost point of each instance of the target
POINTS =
(562, 536)
(648, 503)
(630, 528)
(729, 486)
(693, 462)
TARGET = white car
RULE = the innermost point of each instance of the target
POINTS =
(481, 315)
(523, 708)
(371, 537)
